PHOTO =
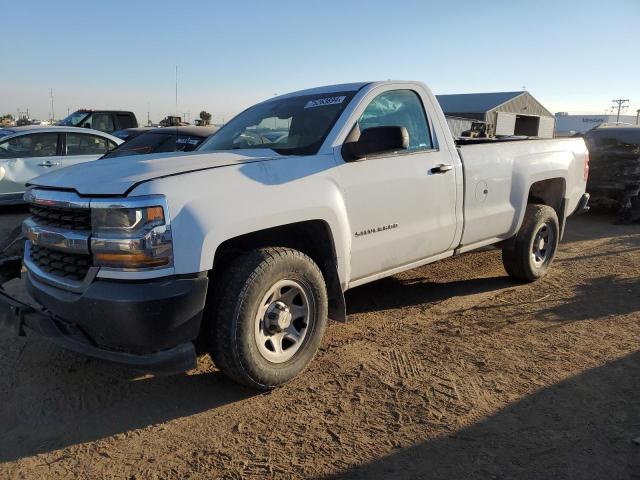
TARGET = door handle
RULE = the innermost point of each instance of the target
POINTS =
(49, 163)
(441, 169)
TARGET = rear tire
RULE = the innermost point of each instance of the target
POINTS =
(529, 255)
(270, 319)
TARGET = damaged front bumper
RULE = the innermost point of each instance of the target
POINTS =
(23, 318)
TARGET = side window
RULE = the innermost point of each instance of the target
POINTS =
(401, 108)
(86, 144)
(124, 121)
(100, 121)
(34, 145)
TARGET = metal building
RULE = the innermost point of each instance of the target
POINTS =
(505, 113)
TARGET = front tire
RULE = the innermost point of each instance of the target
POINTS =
(271, 317)
(528, 256)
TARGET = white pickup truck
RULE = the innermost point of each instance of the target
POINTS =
(244, 248)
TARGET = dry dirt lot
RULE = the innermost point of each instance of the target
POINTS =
(450, 371)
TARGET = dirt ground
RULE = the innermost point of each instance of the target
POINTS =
(450, 371)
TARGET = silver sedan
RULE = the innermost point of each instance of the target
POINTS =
(31, 151)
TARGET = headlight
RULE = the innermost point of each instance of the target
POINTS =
(131, 238)
(126, 219)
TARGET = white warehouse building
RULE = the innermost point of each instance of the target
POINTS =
(567, 125)
(504, 113)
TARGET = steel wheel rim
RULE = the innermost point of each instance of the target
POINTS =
(542, 247)
(283, 319)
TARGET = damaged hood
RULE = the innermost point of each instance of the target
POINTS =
(117, 176)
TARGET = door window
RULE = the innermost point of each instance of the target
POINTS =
(86, 144)
(99, 121)
(399, 108)
(33, 145)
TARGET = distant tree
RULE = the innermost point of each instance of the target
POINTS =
(205, 117)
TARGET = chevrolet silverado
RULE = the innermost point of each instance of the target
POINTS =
(244, 248)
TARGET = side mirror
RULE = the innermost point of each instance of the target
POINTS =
(374, 140)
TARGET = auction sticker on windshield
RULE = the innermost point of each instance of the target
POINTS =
(321, 102)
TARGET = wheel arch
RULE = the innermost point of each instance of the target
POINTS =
(552, 193)
(312, 237)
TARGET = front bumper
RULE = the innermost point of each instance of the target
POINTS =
(149, 326)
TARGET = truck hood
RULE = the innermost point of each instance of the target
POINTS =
(116, 176)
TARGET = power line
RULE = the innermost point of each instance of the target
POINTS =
(621, 105)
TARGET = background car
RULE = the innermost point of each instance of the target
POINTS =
(30, 151)
(170, 139)
(104, 120)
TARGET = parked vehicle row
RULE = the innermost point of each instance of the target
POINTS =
(245, 247)
(27, 152)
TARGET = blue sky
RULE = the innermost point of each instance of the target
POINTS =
(573, 55)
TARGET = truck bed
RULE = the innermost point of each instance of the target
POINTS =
(497, 176)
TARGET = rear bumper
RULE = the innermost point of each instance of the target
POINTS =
(583, 205)
(149, 326)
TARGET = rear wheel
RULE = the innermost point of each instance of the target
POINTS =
(529, 255)
(271, 317)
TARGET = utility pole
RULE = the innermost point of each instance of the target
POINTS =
(622, 104)
(176, 90)
(53, 115)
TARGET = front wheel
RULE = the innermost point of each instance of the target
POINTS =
(529, 255)
(270, 318)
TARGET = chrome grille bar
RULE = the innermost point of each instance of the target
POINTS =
(56, 238)
(55, 198)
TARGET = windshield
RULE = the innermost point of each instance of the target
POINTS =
(74, 119)
(156, 143)
(290, 126)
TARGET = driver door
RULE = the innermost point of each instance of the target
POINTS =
(402, 209)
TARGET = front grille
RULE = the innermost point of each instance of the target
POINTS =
(65, 218)
(71, 266)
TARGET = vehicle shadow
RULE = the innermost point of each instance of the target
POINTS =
(394, 292)
(594, 225)
(599, 298)
(45, 413)
(580, 428)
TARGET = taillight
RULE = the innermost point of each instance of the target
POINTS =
(586, 165)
